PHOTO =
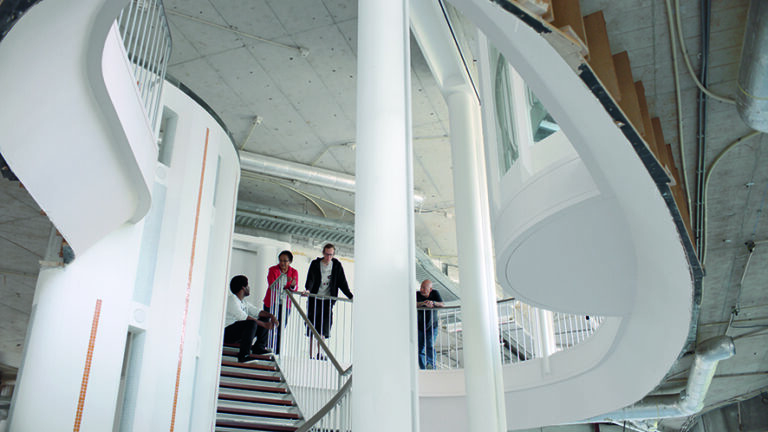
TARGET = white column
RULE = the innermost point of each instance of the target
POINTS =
(482, 360)
(384, 354)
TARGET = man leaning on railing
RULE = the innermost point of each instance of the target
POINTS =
(324, 278)
(428, 322)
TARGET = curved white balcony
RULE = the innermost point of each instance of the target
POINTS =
(583, 225)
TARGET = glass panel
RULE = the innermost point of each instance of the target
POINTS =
(502, 95)
(542, 124)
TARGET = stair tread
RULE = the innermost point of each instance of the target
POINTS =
(255, 425)
(254, 399)
(269, 389)
(258, 412)
(253, 376)
(248, 365)
(265, 357)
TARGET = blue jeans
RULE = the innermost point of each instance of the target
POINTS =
(427, 347)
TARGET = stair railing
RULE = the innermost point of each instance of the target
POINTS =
(525, 333)
(336, 415)
(147, 39)
(317, 367)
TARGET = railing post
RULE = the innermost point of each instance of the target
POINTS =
(384, 394)
(546, 337)
(482, 359)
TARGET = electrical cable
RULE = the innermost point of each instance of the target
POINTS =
(303, 194)
(701, 134)
(688, 62)
(706, 186)
(678, 97)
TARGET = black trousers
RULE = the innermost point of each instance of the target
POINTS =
(244, 332)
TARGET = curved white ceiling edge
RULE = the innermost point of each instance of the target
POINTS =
(654, 326)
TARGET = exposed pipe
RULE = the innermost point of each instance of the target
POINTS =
(702, 85)
(701, 135)
(679, 105)
(274, 167)
(295, 171)
(707, 177)
(752, 98)
(708, 354)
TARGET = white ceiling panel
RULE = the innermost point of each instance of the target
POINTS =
(182, 50)
(334, 62)
(301, 15)
(254, 17)
(200, 76)
(349, 30)
(201, 9)
(341, 10)
(205, 38)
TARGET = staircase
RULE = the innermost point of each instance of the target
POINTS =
(254, 396)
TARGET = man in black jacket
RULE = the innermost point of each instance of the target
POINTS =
(324, 279)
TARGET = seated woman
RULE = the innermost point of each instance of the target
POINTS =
(279, 277)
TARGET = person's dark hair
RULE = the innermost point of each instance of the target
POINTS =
(237, 283)
(286, 253)
(329, 246)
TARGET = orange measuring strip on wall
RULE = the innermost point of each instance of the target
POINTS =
(87, 370)
(189, 283)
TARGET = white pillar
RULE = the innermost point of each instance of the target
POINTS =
(384, 354)
(482, 359)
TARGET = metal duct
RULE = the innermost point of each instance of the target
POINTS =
(295, 171)
(708, 355)
(752, 99)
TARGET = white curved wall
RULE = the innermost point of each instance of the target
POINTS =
(60, 132)
(173, 308)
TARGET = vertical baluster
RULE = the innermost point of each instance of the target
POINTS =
(129, 23)
(571, 330)
(459, 344)
(151, 66)
(146, 47)
(143, 40)
(164, 57)
(119, 22)
(135, 32)
(538, 352)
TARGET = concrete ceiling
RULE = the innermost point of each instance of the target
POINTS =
(282, 75)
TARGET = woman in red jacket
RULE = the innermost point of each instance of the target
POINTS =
(279, 277)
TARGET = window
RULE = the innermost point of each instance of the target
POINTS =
(542, 124)
(502, 95)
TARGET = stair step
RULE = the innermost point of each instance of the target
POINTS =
(258, 366)
(251, 376)
(234, 353)
(255, 399)
(258, 413)
(253, 387)
(254, 426)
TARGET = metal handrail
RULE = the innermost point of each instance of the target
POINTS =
(327, 407)
(525, 333)
(314, 331)
(457, 306)
(323, 297)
